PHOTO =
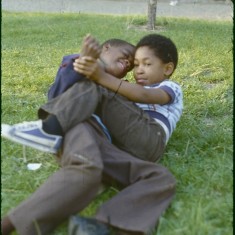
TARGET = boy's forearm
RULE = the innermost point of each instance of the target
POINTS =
(133, 92)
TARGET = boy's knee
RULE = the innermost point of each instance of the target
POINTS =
(78, 160)
(165, 176)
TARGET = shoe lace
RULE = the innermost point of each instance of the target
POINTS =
(25, 125)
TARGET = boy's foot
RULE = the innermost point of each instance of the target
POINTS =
(31, 134)
(87, 226)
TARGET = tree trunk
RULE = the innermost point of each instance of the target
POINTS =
(152, 9)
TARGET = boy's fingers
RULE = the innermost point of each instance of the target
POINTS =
(84, 59)
(91, 47)
(87, 71)
(84, 65)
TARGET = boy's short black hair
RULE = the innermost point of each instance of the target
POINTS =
(162, 46)
(115, 42)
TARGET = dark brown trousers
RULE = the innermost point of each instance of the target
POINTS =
(88, 158)
(131, 128)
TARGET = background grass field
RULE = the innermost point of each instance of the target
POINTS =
(200, 151)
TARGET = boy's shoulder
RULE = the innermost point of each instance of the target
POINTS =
(166, 82)
(171, 87)
(66, 58)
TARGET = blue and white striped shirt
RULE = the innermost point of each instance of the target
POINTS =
(166, 115)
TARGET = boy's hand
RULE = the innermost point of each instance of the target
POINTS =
(90, 47)
(88, 66)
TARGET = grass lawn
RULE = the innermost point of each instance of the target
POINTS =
(200, 151)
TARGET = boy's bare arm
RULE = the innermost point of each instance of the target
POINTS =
(135, 92)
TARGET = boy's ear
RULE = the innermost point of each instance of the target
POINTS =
(105, 47)
(169, 68)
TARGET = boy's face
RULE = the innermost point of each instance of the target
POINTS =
(118, 60)
(148, 68)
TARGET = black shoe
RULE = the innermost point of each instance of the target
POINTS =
(87, 226)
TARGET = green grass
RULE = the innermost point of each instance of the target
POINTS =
(200, 151)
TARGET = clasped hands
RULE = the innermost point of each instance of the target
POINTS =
(88, 63)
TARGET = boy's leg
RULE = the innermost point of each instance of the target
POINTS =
(149, 189)
(67, 191)
(131, 128)
(57, 116)
(75, 105)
